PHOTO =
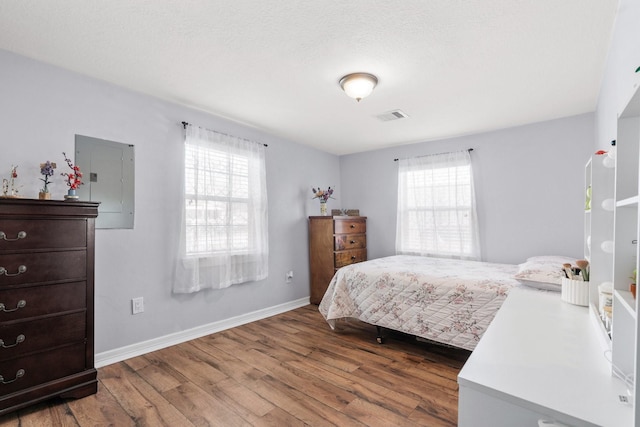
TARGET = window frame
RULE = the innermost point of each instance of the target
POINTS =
(191, 197)
(457, 229)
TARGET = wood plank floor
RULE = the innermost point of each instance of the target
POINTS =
(288, 370)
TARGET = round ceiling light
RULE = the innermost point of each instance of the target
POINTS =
(358, 85)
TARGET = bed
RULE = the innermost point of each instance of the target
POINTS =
(447, 301)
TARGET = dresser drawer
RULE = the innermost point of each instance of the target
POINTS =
(37, 234)
(37, 368)
(349, 257)
(350, 241)
(42, 267)
(35, 335)
(31, 301)
(351, 226)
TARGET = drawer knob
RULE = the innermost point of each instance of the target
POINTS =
(352, 241)
(21, 269)
(21, 304)
(20, 338)
(353, 257)
(353, 226)
(19, 374)
(21, 235)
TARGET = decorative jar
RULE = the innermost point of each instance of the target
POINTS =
(71, 194)
(323, 208)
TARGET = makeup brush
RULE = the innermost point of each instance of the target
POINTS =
(583, 264)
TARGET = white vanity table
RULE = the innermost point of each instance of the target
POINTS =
(540, 363)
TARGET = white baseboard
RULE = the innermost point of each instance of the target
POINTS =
(138, 349)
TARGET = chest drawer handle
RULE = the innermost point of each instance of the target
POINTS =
(19, 374)
(547, 423)
(20, 338)
(353, 226)
(21, 235)
(21, 269)
(21, 304)
(353, 257)
(352, 242)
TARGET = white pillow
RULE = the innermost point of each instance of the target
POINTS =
(543, 272)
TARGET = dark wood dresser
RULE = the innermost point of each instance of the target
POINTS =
(333, 243)
(46, 301)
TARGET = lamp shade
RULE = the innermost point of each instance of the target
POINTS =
(358, 85)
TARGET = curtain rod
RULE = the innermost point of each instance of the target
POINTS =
(434, 154)
(185, 124)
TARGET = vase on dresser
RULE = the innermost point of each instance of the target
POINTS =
(323, 208)
(71, 194)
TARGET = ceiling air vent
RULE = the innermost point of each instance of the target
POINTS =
(392, 115)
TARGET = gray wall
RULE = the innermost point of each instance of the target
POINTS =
(528, 182)
(41, 109)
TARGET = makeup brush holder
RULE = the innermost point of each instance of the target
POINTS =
(575, 292)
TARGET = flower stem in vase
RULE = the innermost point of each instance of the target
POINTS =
(74, 179)
(322, 196)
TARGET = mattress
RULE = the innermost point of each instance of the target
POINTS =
(443, 300)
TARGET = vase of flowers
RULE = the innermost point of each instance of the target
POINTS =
(74, 179)
(322, 196)
(9, 187)
(46, 169)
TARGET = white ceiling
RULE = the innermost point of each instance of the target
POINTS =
(455, 67)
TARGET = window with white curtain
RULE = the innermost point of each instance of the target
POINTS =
(436, 207)
(224, 227)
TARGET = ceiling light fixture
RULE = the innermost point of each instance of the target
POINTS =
(358, 85)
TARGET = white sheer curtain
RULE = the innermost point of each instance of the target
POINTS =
(224, 231)
(436, 207)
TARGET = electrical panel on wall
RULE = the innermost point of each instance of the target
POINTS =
(108, 169)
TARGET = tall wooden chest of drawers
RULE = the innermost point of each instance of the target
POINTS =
(333, 243)
(46, 301)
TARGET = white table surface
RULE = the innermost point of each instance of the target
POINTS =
(545, 355)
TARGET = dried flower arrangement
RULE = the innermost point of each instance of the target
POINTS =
(9, 188)
(322, 195)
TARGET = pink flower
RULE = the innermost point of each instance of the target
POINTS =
(73, 179)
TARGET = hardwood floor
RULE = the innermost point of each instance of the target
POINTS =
(288, 370)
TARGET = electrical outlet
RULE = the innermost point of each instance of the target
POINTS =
(289, 276)
(137, 305)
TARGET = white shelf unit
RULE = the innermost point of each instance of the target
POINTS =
(540, 362)
(598, 228)
(625, 328)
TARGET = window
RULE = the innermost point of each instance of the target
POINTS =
(436, 207)
(225, 212)
(216, 202)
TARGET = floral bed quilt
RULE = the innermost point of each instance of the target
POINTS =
(443, 300)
